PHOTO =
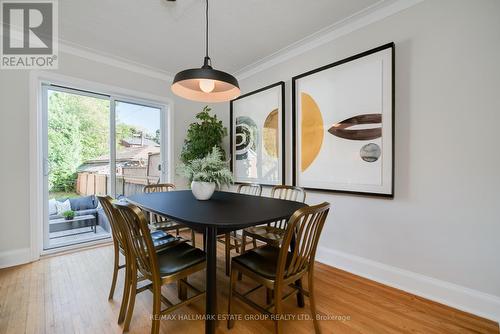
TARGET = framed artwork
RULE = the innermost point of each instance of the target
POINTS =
(257, 136)
(343, 125)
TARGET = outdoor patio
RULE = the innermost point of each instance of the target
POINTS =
(137, 165)
(76, 236)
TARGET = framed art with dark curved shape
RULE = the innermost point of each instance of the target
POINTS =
(257, 136)
(343, 125)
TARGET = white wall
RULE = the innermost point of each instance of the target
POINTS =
(444, 222)
(14, 167)
(14, 137)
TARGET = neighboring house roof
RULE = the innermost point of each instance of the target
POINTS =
(103, 167)
(138, 141)
(96, 167)
(131, 154)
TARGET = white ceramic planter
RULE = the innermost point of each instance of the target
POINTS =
(202, 190)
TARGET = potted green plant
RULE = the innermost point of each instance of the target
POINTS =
(206, 174)
(68, 215)
(202, 135)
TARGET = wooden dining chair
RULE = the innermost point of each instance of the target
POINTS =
(277, 268)
(272, 233)
(119, 246)
(161, 241)
(247, 189)
(162, 223)
(171, 265)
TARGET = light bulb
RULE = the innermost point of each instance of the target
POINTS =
(207, 85)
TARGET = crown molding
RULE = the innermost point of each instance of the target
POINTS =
(361, 19)
(119, 62)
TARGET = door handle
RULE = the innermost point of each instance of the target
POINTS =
(46, 167)
(163, 170)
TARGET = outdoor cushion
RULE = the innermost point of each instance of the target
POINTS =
(83, 203)
(102, 219)
(63, 206)
(86, 212)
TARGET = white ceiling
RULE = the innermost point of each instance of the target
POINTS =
(170, 35)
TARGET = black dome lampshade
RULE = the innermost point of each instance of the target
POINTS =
(206, 84)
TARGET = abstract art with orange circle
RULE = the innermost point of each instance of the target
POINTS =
(343, 123)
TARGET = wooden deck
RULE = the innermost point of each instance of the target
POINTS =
(68, 294)
(76, 236)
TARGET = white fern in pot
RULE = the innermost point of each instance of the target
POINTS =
(206, 174)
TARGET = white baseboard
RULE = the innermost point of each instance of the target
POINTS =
(15, 257)
(456, 296)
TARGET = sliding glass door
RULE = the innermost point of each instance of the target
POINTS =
(95, 144)
(138, 147)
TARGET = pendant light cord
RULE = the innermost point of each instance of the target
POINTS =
(206, 37)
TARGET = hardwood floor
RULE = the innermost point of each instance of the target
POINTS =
(68, 294)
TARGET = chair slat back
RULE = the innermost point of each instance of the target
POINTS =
(160, 187)
(156, 188)
(139, 239)
(113, 219)
(250, 189)
(302, 237)
(289, 193)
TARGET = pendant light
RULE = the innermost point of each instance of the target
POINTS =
(206, 84)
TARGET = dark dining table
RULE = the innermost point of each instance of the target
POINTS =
(224, 212)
